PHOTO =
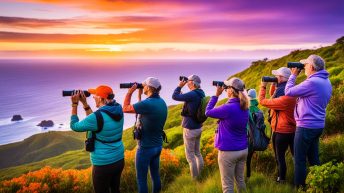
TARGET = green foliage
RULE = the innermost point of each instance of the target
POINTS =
(258, 183)
(328, 177)
(332, 148)
(78, 159)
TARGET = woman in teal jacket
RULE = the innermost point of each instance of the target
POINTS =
(107, 156)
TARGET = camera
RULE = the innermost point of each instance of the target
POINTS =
(219, 83)
(71, 92)
(89, 144)
(269, 79)
(298, 65)
(183, 78)
(129, 85)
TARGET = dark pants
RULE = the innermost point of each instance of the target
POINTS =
(306, 146)
(281, 142)
(148, 158)
(106, 179)
(248, 163)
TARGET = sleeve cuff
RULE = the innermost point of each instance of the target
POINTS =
(74, 118)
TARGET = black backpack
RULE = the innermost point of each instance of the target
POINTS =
(90, 142)
(199, 116)
(258, 140)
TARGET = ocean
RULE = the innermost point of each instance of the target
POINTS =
(33, 88)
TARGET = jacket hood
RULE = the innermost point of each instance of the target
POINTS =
(321, 74)
(253, 102)
(114, 110)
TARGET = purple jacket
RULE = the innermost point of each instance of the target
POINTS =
(231, 133)
(313, 96)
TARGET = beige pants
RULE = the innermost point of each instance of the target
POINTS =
(232, 165)
(192, 150)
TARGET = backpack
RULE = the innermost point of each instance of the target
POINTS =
(258, 140)
(200, 113)
(90, 142)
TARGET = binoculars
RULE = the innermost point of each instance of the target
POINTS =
(219, 83)
(296, 65)
(269, 79)
(183, 78)
(130, 84)
(71, 92)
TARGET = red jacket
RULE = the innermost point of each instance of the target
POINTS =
(282, 111)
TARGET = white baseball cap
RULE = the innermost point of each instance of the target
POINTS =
(196, 79)
(153, 82)
(317, 62)
(252, 93)
(236, 83)
(283, 71)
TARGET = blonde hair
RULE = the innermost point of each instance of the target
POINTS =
(244, 102)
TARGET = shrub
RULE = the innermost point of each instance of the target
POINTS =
(51, 180)
(325, 178)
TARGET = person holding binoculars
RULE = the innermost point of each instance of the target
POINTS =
(281, 117)
(313, 94)
(231, 134)
(104, 129)
(153, 112)
(192, 128)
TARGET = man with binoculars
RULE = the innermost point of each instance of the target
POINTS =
(313, 94)
(192, 128)
(281, 117)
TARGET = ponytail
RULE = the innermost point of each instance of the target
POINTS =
(244, 103)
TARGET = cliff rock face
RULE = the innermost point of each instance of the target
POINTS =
(46, 123)
(17, 118)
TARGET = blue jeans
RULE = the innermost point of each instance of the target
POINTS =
(306, 145)
(148, 158)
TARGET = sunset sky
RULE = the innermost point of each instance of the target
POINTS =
(166, 28)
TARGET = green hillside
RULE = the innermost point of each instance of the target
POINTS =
(334, 58)
(39, 147)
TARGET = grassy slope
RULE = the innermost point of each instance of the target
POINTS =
(334, 57)
(39, 147)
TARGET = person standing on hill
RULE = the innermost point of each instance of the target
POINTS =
(281, 118)
(153, 112)
(253, 107)
(192, 128)
(104, 139)
(231, 134)
(313, 94)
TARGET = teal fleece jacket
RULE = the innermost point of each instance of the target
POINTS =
(108, 153)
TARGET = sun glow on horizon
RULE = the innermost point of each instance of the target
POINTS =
(226, 29)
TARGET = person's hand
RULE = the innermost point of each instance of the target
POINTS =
(295, 71)
(140, 92)
(75, 97)
(263, 83)
(132, 89)
(82, 98)
(182, 84)
(219, 90)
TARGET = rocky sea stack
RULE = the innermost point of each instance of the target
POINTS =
(46, 123)
(17, 118)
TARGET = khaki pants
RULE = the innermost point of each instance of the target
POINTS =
(192, 150)
(232, 165)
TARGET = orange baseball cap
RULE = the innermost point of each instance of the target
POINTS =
(103, 91)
